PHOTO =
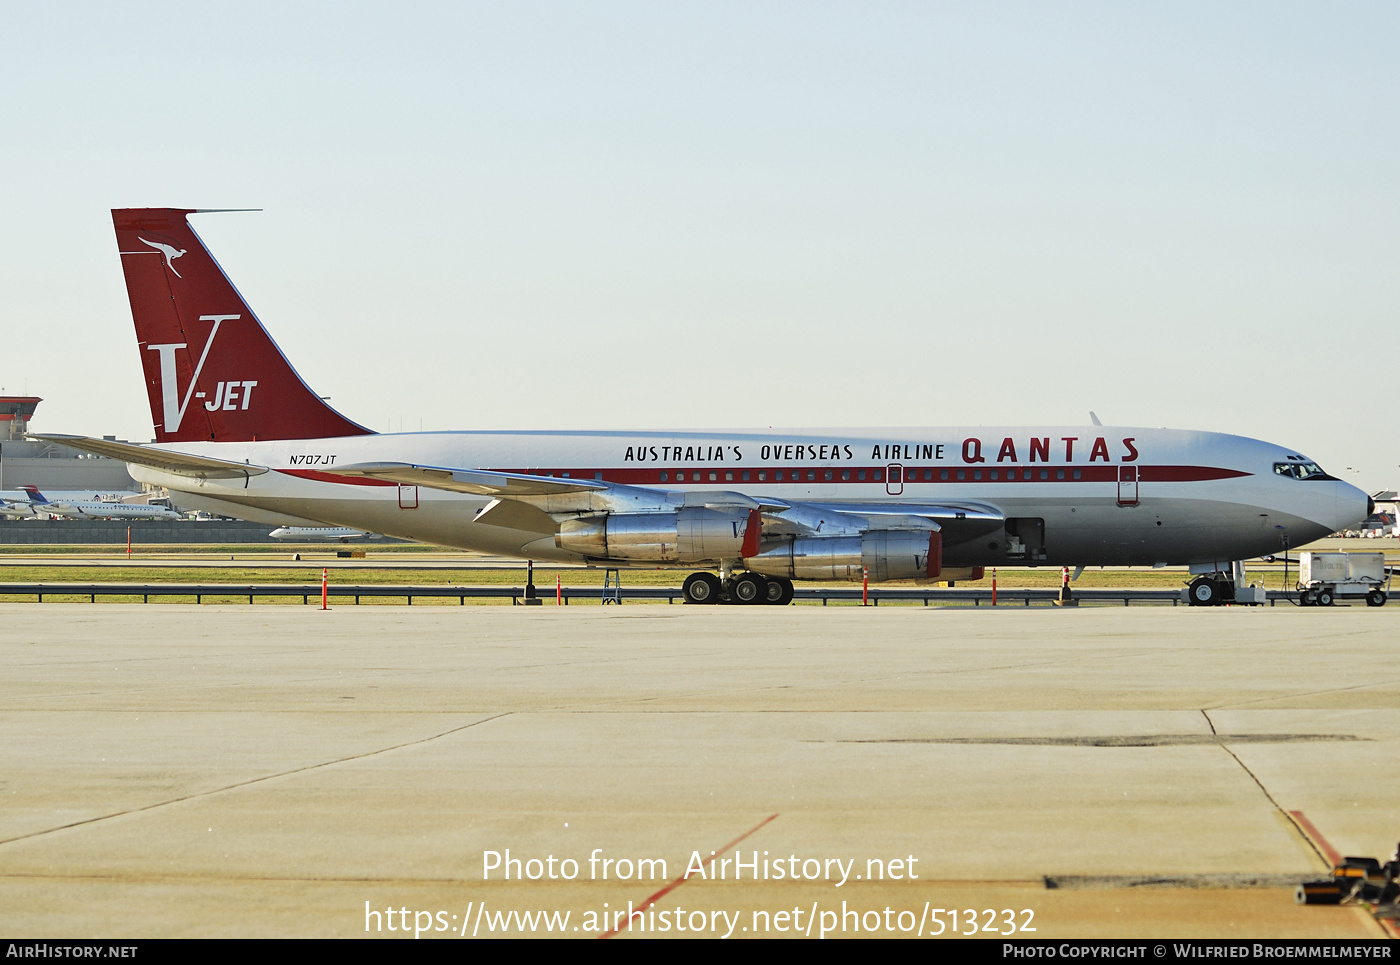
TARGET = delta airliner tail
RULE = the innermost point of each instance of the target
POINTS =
(194, 329)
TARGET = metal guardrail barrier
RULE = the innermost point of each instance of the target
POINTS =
(309, 592)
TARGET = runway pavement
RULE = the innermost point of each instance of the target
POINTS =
(270, 771)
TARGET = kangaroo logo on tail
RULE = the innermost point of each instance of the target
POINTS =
(170, 252)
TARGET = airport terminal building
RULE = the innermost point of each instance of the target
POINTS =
(48, 466)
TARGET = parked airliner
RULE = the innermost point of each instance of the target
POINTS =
(309, 533)
(239, 433)
(37, 504)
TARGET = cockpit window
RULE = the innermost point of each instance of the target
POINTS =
(1300, 470)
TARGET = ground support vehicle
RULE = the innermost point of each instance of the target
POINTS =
(1324, 578)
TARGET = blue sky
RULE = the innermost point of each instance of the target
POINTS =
(678, 215)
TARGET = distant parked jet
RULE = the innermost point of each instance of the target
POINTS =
(342, 533)
(38, 505)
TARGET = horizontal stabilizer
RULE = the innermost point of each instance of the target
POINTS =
(180, 463)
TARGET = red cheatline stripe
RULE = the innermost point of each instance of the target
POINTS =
(686, 877)
(1310, 829)
(912, 474)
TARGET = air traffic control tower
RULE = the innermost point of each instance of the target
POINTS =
(15, 413)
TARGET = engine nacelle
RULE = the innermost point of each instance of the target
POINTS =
(691, 535)
(885, 554)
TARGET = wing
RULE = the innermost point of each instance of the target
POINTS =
(531, 502)
(554, 493)
(474, 481)
(958, 521)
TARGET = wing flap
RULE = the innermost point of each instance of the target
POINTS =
(513, 514)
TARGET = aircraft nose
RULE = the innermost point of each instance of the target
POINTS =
(1353, 505)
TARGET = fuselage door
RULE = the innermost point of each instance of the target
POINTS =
(894, 479)
(408, 497)
(1127, 486)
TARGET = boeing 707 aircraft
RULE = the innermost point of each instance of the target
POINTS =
(748, 510)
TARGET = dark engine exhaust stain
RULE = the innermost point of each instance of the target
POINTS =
(1115, 740)
(1284, 881)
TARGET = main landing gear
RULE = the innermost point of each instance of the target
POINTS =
(742, 588)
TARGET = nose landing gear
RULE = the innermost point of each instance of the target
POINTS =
(1221, 586)
(1209, 591)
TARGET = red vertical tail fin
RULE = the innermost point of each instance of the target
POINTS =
(212, 371)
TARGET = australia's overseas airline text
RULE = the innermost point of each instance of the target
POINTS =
(972, 450)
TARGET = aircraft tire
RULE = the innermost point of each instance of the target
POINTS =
(1324, 597)
(1375, 598)
(701, 588)
(748, 589)
(1204, 592)
(779, 591)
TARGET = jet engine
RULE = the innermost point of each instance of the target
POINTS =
(885, 554)
(690, 535)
